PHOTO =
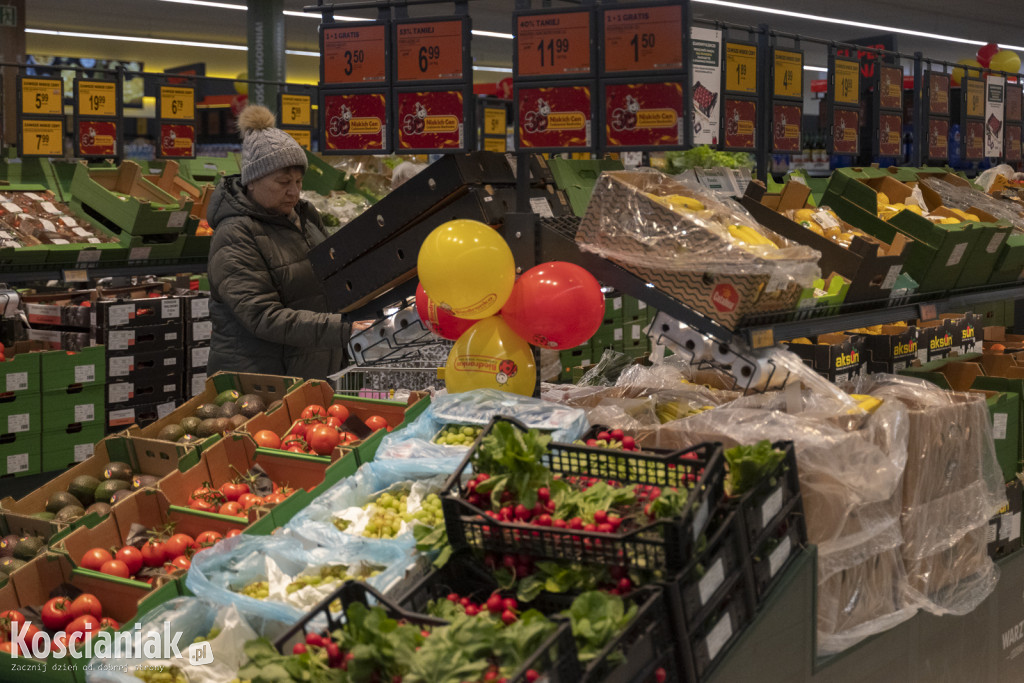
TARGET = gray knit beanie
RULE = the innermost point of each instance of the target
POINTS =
(266, 149)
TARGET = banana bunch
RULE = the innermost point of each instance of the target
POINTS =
(826, 223)
(677, 410)
(868, 404)
(886, 209)
(800, 340)
(746, 236)
(678, 202)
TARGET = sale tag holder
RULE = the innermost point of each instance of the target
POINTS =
(937, 142)
(787, 74)
(787, 68)
(548, 42)
(432, 51)
(971, 109)
(641, 114)
(1014, 103)
(428, 117)
(1012, 142)
(355, 54)
(787, 126)
(98, 123)
(936, 104)
(532, 120)
(739, 67)
(176, 140)
(40, 97)
(40, 137)
(643, 39)
(355, 120)
(296, 109)
(844, 130)
(740, 123)
(843, 81)
(175, 102)
(936, 93)
(887, 112)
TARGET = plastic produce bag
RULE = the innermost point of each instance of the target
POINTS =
(219, 574)
(314, 526)
(966, 198)
(194, 618)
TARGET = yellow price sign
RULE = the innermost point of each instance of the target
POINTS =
(495, 145)
(177, 103)
(847, 83)
(295, 111)
(302, 137)
(974, 97)
(494, 121)
(97, 98)
(42, 96)
(42, 138)
(741, 68)
(789, 73)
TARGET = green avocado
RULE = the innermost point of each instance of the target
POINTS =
(29, 547)
(118, 470)
(171, 433)
(207, 411)
(226, 396)
(84, 489)
(107, 489)
(59, 500)
(190, 425)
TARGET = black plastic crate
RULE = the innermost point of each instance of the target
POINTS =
(555, 660)
(660, 545)
(712, 569)
(785, 541)
(765, 504)
(635, 655)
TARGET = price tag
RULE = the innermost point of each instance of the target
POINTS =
(85, 412)
(85, 374)
(198, 383)
(97, 98)
(121, 340)
(771, 506)
(789, 73)
(121, 366)
(295, 110)
(17, 381)
(499, 145)
(120, 315)
(741, 68)
(719, 636)
(177, 219)
(553, 44)
(643, 39)
(999, 426)
(428, 51)
(83, 451)
(170, 361)
(974, 97)
(164, 409)
(354, 54)
(170, 308)
(88, 256)
(956, 254)
(120, 392)
(199, 307)
(170, 336)
(712, 580)
(303, 137)
(18, 423)
(540, 206)
(139, 253)
(847, 82)
(177, 102)
(170, 388)
(202, 330)
(200, 356)
(118, 418)
(779, 556)
(42, 138)
(17, 463)
(42, 96)
(495, 121)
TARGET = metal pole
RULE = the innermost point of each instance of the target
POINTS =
(920, 120)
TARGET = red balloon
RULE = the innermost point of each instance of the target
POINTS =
(438, 320)
(986, 53)
(555, 305)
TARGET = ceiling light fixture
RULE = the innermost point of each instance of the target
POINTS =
(498, 69)
(847, 22)
(136, 39)
(815, 68)
(492, 34)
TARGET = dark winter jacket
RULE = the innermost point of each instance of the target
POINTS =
(268, 308)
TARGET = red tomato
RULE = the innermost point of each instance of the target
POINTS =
(348, 437)
(323, 439)
(376, 422)
(293, 439)
(86, 623)
(180, 562)
(230, 508)
(11, 615)
(299, 429)
(6, 645)
(247, 500)
(232, 491)
(109, 622)
(94, 558)
(202, 505)
(56, 614)
(116, 568)
(153, 554)
(332, 421)
(295, 448)
(339, 411)
(267, 439)
(178, 544)
(132, 557)
(313, 410)
(233, 533)
(274, 498)
(86, 603)
(208, 538)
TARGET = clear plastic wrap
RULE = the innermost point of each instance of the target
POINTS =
(338, 208)
(966, 198)
(645, 218)
(987, 177)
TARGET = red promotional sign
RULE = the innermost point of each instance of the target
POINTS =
(845, 128)
(97, 138)
(1011, 140)
(890, 135)
(938, 138)
(938, 93)
(429, 51)
(644, 114)
(553, 44)
(555, 117)
(354, 54)
(740, 123)
(643, 39)
(430, 120)
(786, 127)
(355, 121)
(974, 140)
(177, 140)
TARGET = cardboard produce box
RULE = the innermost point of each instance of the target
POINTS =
(893, 348)
(1004, 529)
(139, 415)
(74, 444)
(931, 574)
(61, 309)
(20, 454)
(67, 370)
(142, 339)
(156, 386)
(968, 334)
(935, 257)
(939, 338)
(136, 306)
(21, 371)
(835, 356)
(129, 201)
(871, 265)
(129, 365)
(81, 405)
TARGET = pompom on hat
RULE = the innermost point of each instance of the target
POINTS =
(266, 149)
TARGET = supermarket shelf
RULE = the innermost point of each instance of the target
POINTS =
(73, 273)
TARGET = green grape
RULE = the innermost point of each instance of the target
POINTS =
(258, 589)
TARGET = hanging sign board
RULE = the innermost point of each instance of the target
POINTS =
(846, 79)
(296, 110)
(554, 44)
(177, 140)
(430, 121)
(302, 136)
(42, 96)
(706, 76)
(995, 116)
(646, 115)
(741, 68)
(642, 38)
(96, 138)
(354, 54)
(789, 73)
(42, 138)
(96, 98)
(556, 117)
(177, 103)
(430, 50)
(354, 121)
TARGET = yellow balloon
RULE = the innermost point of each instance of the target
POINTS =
(1005, 60)
(490, 355)
(467, 268)
(958, 72)
(242, 87)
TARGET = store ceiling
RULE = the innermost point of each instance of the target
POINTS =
(995, 20)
